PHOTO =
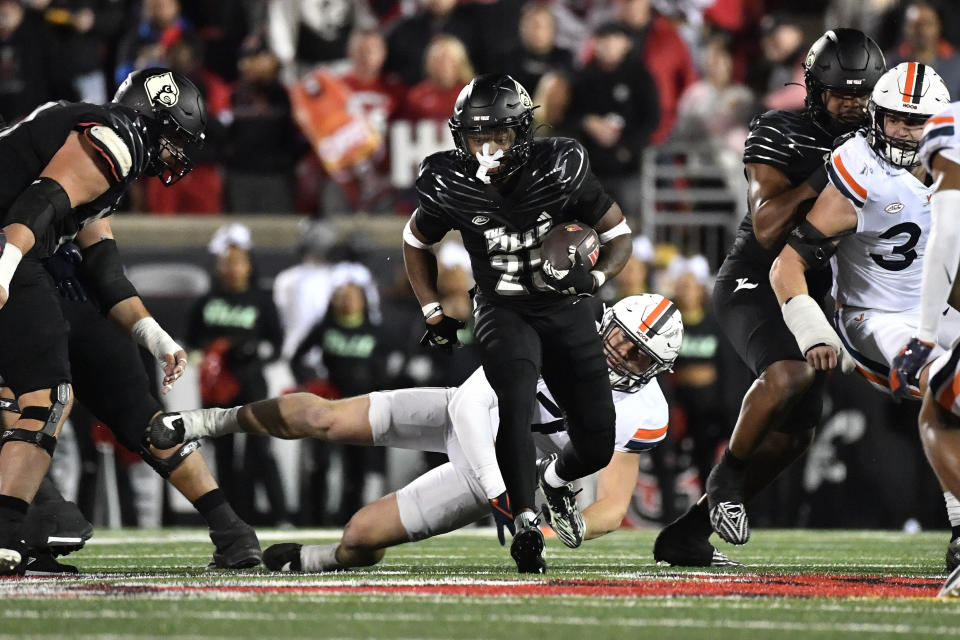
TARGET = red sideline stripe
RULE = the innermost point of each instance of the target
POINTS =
(799, 586)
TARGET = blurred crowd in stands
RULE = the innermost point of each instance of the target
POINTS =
(325, 107)
(306, 95)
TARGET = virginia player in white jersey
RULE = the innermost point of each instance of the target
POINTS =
(462, 422)
(874, 220)
(940, 412)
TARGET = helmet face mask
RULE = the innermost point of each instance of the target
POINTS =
(637, 353)
(172, 113)
(841, 63)
(493, 108)
(905, 97)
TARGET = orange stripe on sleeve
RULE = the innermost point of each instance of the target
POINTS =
(940, 120)
(949, 394)
(853, 184)
(647, 322)
(650, 434)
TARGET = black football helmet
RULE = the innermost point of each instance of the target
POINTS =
(172, 114)
(844, 61)
(492, 103)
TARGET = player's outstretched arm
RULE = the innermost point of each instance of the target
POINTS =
(614, 491)
(942, 256)
(774, 201)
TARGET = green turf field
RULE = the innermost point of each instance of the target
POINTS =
(798, 584)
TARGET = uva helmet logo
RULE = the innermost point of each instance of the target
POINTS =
(162, 90)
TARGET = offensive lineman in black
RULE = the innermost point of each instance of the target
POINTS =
(504, 190)
(784, 165)
(64, 167)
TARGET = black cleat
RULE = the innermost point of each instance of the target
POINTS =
(679, 548)
(59, 527)
(236, 548)
(527, 546)
(165, 431)
(953, 554)
(283, 557)
(41, 562)
(728, 513)
(566, 518)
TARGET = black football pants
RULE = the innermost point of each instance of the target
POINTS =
(560, 342)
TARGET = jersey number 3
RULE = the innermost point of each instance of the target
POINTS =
(906, 250)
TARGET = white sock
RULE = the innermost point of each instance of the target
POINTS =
(551, 478)
(953, 508)
(210, 423)
(319, 557)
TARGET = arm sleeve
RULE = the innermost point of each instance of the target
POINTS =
(470, 410)
(940, 261)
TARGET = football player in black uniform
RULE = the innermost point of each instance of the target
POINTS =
(65, 166)
(504, 190)
(109, 379)
(784, 165)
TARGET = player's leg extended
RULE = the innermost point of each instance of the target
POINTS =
(441, 500)
(293, 416)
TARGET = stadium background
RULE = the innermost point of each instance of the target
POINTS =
(313, 148)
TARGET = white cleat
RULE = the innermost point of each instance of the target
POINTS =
(951, 588)
(729, 520)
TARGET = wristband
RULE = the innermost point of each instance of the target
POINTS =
(151, 336)
(600, 277)
(431, 309)
(9, 260)
(818, 179)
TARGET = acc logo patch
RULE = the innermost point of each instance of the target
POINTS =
(894, 207)
(162, 89)
(480, 220)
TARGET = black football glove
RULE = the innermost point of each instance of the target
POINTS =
(907, 365)
(502, 516)
(63, 266)
(443, 334)
(577, 280)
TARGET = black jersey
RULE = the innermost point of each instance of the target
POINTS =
(791, 142)
(27, 147)
(502, 231)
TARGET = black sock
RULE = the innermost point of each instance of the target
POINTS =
(215, 509)
(732, 461)
(12, 512)
(955, 532)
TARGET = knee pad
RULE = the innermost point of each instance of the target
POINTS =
(166, 466)
(45, 437)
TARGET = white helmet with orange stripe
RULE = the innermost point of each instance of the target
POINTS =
(901, 102)
(641, 338)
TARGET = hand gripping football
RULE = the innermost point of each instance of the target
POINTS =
(567, 245)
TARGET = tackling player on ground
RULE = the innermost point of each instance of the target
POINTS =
(503, 191)
(461, 422)
(784, 166)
